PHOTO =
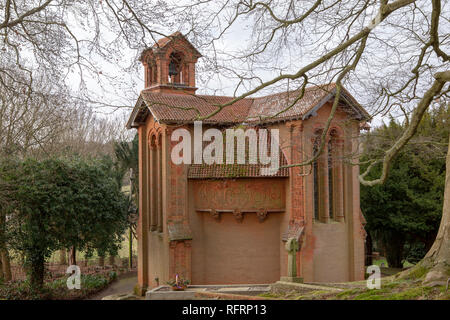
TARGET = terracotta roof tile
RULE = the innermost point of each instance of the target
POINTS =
(199, 171)
(236, 170)
(171, 107)
(278, 106)
(165, 40)
(184, 107)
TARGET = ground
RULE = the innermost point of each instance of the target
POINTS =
(118, 283)
(401, 286)
(124, 284)
(55, 286)
(93, 278)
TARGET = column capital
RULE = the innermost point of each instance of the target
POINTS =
(295, 125)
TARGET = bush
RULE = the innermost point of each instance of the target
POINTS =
(56, 289)
(63, 203)
(415, 252)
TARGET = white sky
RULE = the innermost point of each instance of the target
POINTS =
(127, 83)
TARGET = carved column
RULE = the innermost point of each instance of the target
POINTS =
(349, 194)
(172, 258)
(159, 185)
(188, 265)
(143, 211)
(296, 179)
(191, 74)
(296, 183)
(339, 181)
(176, 206)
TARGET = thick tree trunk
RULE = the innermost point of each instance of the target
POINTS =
(4, 256)
(1, 270)
(6, 265)
(37, 272)
(438, 258)
(394, 252)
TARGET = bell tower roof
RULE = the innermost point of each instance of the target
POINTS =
(170, 65)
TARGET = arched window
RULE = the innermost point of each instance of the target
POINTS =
(327, 174)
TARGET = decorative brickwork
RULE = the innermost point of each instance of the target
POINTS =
(218, 224)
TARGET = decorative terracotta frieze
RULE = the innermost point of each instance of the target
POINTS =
(262, 213)
(238, 215)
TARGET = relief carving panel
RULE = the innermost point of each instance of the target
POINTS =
(239, 196)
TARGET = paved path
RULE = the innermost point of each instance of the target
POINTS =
(125, 284)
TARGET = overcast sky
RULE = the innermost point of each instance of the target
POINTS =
(121, 78)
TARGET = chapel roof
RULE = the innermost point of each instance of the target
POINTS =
(176, 36)
(186, 108)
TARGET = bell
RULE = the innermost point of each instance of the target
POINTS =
(172, 68)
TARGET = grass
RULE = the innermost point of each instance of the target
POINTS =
(382, 260)
(418, 272)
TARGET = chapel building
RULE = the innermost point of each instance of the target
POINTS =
(228, 223)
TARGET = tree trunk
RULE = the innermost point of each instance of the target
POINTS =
(62, 257)
(4, 257)
(369, 250)
(394, 255)
(37, 272)
(6, 265)
(438, 258)
(1, 270)
(73, 256)
(130, 248)
(393, 244)
(112, 260)
(101, 261)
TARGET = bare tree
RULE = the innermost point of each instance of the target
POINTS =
(29, 121)
(391, 53)
(49, 122)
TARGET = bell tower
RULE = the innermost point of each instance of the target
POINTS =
(170, 65)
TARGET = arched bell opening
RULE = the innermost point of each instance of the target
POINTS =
(176, 68)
